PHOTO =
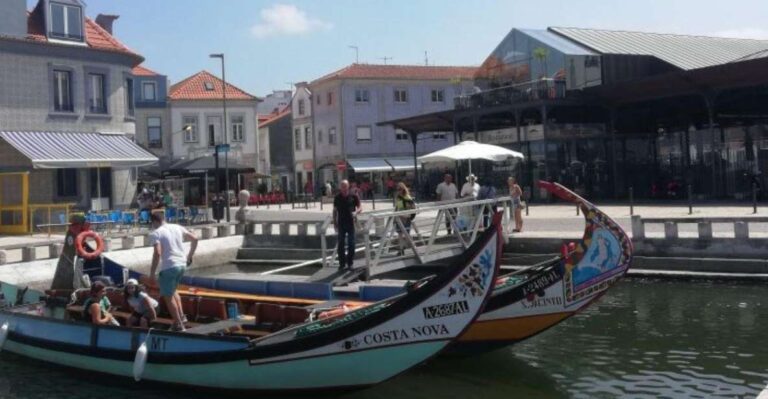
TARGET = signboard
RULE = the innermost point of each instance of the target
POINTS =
(341, 166)
(308, 165)
(222, 148)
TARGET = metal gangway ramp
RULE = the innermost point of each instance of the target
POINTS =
(439, 230)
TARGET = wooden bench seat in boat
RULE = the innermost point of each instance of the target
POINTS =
(272, 317)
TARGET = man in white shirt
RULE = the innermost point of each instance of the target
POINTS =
(447, 191)
(168, 242)
(470, 188)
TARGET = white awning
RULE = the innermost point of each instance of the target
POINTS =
(363, 165)
(57, 150)
(404, 163)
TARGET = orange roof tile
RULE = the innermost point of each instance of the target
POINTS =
(415, 72)
(95, 36)
(271, 118)
(193, 88)
(140, 70)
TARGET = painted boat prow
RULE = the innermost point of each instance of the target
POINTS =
(551, 294)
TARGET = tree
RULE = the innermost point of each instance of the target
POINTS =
(541, 54)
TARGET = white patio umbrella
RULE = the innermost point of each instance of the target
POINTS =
(469, 150)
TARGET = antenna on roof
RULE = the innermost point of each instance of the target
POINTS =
(357, 53)
(426, 58)
(290, 85)
(385, 59)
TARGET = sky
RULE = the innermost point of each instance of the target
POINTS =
(271, 44)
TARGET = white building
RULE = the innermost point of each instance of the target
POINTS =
(302, 138)
(197, 122)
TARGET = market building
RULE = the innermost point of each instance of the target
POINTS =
(606, 112)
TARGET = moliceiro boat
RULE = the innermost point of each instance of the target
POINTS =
(284, 352)
(523, 303)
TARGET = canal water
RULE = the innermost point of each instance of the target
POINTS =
(644, 339)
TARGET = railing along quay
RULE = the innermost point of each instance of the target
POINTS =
(740, 226)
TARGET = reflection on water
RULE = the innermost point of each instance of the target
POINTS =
(645, 338)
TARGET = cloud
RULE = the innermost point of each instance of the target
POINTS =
(743, 33)
(286, 19)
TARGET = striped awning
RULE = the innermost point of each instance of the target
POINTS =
(56, 150)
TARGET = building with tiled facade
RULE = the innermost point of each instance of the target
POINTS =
(66, 112)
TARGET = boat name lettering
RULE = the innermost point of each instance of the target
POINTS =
(541, 282)
(391, 336)
(157, 343)
(543, 302)
(445, 309)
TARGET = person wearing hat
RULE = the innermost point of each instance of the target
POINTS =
(144, 306)
(96, 307)
(470, 188)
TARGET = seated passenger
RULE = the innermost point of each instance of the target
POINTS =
(96, 307)
(143, 306)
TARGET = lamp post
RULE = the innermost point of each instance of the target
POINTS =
(226, 152)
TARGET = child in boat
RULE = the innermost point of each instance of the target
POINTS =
(96, 307)
(143, 306)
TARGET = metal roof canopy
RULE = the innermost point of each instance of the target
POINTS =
(61, 150)
(364, 165)
(686, 52)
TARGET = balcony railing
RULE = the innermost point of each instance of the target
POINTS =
(542, 89)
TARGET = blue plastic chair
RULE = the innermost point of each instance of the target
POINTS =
(144, 217)
(62, 218)
(193, 213)
(170, 214)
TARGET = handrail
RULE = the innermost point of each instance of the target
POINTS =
(448, 227)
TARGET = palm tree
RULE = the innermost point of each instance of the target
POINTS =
(541, 54)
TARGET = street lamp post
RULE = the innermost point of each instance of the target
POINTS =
(226, 152)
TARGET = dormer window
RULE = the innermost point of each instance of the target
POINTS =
(209, 86)
(66, 22)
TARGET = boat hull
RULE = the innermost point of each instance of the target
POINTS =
(362, 347)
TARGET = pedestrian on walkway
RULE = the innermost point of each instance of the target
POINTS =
(404, 202)
(447, 191)
(346, 206)
(167, 239)
(516, 193)
(470, 188)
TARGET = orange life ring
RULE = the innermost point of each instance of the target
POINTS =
(80, 245)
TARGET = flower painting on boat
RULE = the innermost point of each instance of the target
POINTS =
(601, 257)
(475, 279)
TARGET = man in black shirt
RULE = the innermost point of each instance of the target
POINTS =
(345, 207)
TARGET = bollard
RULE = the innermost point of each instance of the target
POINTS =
(577, 210)
(128, 242)
(670, 230)
(318, 229)
(55, 249)
(373, 201)
(741, 230)
(28, 254)
(3, 257)
(266, 229)
(301, 229)
(239, 229)
(690, 200)
(754, 198)
(631, 201)
(107, 244)
(285, 229)
(207, 233)
(705, 230)
(250, 228)
(223, 231)
(638, 228)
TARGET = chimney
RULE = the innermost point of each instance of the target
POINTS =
(13, 18)
(106, 20)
